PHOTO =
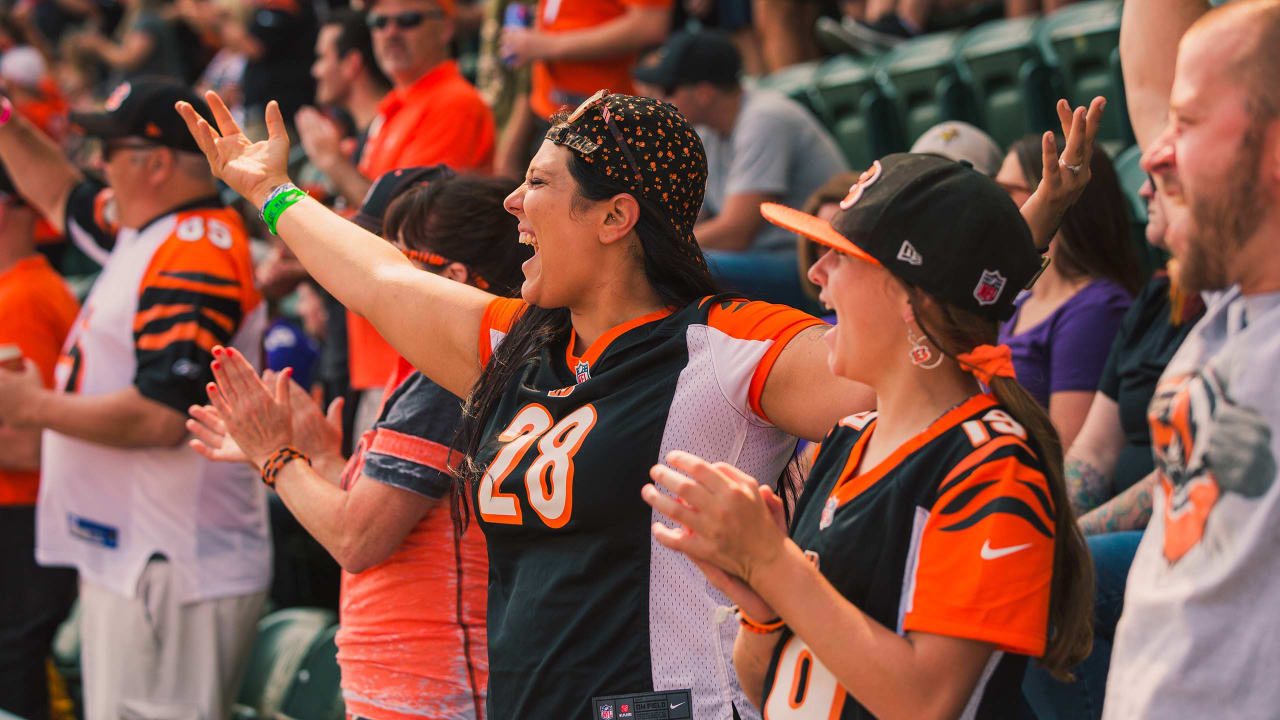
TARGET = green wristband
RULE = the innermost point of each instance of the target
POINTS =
(277, 202)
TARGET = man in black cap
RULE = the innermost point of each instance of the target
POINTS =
(172, 550)
(761, 147)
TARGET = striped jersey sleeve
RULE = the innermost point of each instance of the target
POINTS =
(762, 322)
(91, 219)
(410, 443)
(194, 295)
(985, 562)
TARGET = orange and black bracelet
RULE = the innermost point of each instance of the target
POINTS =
(277, 460)
(759, 628)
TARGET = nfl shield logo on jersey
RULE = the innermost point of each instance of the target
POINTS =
(582, 372)
(989, 288)
(606, 711)
(828, 513)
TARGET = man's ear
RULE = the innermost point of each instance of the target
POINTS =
(351, 65)
(447, 30)
(621, 213)
(161, 165)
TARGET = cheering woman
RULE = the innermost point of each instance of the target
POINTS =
(933, 547)
(617, 353)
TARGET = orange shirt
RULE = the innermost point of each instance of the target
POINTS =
(36, 312)
(560, 83)
(438, 119)
(413, 640)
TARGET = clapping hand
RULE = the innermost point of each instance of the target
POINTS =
(730, 525)
(315, 433)
(256, 417)
(252, 169)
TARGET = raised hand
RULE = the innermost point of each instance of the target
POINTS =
(252, 169)
(1065, 177)
(320, 137)
(256, 417)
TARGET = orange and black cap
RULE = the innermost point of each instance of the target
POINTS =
(144, 109)
(934, 223)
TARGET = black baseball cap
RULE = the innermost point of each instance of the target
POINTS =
(144, 109)
(391, 185)
(934, 223)
(691, 57)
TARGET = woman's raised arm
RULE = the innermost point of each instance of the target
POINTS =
(433, 322)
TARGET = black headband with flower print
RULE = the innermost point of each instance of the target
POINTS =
(644, 144)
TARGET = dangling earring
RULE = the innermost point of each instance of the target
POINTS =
(921, 355)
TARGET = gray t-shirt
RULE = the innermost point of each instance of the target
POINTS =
(776, 147)
(1200, 633)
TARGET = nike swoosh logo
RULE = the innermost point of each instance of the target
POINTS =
(673, 707)
(990, 553)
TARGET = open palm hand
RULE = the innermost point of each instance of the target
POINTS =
(250, 168)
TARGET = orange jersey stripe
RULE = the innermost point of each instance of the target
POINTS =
(188, 331)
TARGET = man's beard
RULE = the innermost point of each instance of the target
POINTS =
(1223, 222)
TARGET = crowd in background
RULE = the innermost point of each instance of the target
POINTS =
(130, 278)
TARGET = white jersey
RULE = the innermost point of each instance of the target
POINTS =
(167, 294)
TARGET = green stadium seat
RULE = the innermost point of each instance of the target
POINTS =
(797, 83)
(1080, 41)
(921, 79)
(316, 692)
(66, 655)
(1132, 176)
(284, 640)
(1002, 63)
(8, 716)
(860, 116)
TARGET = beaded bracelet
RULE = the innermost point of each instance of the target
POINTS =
(6, 111)
(280, 199)
(277, 460)
(759, 628)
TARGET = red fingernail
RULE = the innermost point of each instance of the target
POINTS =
(217, 351)
(215, 365)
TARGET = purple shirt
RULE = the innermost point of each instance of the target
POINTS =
(1067, 350)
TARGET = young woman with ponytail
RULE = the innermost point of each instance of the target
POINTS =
(933, 549)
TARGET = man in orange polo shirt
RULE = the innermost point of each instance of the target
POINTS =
(431, 116)
(36, 312)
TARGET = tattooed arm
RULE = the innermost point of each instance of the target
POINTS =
(1091, 461)
(1130, 510)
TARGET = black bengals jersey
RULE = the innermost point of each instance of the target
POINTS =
(952, 534)
(582, 601)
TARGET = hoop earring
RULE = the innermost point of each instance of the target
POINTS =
(921, 356)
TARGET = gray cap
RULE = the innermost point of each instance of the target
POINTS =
(959, 141)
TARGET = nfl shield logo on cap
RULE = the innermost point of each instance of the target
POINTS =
(989, 288)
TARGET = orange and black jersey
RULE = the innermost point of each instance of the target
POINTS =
(952, 534)
(183, 283)
(582, 601)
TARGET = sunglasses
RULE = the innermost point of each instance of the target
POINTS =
(404, 21)
(614, 130)
(111, 147)
(436, 262)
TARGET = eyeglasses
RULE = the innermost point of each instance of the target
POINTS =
(436, 262)
(404, 21)
(111, 147)
(614, 130)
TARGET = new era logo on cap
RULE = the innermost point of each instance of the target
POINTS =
(908, 254)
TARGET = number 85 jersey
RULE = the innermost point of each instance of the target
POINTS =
(952, 534)
(582, 601)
